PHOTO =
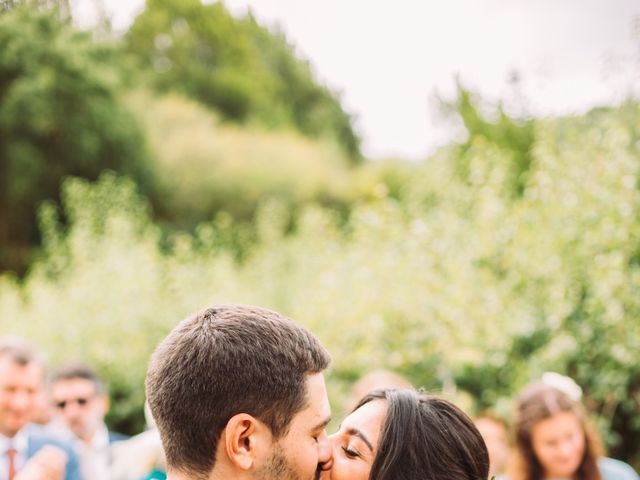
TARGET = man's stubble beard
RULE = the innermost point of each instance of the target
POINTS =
(278, 468)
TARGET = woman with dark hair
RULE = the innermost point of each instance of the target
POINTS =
(553, 439)
(407, 435)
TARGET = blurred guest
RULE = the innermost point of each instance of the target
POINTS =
(495, 434)
(21, 381)
(42, 413)
(48, 464)
(141, 456)
(81, 402)
(553, 439)
(375, 380)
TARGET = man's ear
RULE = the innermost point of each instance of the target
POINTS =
(106, 403)
(103, 401)
(242, 440)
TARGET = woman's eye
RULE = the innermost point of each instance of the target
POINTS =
(350, 453)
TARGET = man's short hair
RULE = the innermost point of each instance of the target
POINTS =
(225, 360)
(78, 371)
(20, 352)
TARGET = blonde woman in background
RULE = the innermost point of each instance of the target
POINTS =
(553, 439)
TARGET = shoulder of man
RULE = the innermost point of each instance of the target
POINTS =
(38, 439)
(616, 470)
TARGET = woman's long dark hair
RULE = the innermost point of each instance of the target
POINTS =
(426, 438)
(537, 402)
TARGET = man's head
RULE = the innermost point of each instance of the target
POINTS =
(240, 388)
(21, 378)
(80, 399)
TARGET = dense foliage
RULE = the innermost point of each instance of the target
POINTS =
(63, 112)
(456, 283)
(203, 166)
(238, 67)
(60, 114)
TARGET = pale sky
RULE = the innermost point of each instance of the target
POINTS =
(388, 58)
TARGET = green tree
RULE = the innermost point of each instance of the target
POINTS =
(239, 68)
(514, 137)
(60, 114)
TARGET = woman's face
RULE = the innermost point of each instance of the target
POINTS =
(355, 444)
(559, 444)
(495, 436)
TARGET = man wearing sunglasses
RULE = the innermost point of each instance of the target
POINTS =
(81, 402)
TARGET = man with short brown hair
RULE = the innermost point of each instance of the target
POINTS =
(238, 392)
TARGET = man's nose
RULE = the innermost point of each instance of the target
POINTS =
(21, 400)
(71, 410)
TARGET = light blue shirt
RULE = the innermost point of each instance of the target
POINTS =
(19, 442)
(610, 469)
(616, 470)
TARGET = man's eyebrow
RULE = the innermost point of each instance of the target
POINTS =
(361, 436)
(322, 424)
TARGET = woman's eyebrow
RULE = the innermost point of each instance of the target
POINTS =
(361, 436)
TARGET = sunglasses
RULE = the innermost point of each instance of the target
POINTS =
(80, 401)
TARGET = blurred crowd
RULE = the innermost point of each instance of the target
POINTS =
(52, 426)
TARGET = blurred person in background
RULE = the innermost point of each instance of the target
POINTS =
(495, 433)
(553, 438)
(81, 401)
(22, 445)
(48, 463)
(42, 413)
(375, 380)
(141, 456)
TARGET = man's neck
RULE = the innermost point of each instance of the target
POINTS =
(173, 475)
(9, 434)
(19, 440)
(220, 473)
(216, 474)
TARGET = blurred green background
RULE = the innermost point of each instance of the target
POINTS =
(197, 160)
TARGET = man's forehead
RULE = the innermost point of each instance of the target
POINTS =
(8, 361)
(317, 399)
(11, 367)
(73, 387)
(77, 382)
